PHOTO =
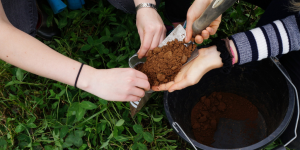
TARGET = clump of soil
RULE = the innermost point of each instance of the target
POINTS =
(207, 112)
(164, 63)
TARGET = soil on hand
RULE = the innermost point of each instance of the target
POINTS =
(164, 63)
(207, 112)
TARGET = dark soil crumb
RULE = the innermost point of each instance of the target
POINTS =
(164, 63)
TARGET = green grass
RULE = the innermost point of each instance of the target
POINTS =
(41, 114)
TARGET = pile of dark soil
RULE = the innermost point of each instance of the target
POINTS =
(164, 63)
(207, 112)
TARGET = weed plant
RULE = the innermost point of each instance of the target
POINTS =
(41, 114)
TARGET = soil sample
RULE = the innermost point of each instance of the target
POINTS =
(164, 63)
(207, 113)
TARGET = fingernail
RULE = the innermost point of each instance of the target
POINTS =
(211, 30)
(171, 91)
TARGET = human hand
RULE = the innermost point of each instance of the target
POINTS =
(194, 12)
(118, 84)
(208, 59)
(150, 28)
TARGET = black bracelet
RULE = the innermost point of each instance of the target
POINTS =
(225, 55)
(78, 75)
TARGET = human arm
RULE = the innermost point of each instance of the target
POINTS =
(194, 12)
(150, 27)
(276, 38)
(26, 52)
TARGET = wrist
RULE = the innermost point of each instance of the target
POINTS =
(235, 54)
(208, 59)
(85, 77)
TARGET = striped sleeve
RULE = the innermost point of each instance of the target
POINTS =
(274, 39)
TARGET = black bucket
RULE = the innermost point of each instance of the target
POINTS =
(261, 83)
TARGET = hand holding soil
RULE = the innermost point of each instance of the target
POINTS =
(208, 59)
(164, 63)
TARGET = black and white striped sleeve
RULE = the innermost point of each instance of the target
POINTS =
(274, 39)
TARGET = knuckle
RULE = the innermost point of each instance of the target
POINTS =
(199, 41)
(160, 28)
(130, 80)
(150, 28)
(142, 94)
(145, 47)
(164, 28)
(131, 71)
(136, 98)
(127, 89)
(128, 98)
(148, 85)
(125, 97)
(189, 15)
(140, 31)
(153, 46)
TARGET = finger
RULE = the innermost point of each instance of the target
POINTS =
(189, 30)
(169, 84)
(140, 75)
(199, 39)
(210, 30)
(147, 40)
(205, 34)
(141, 33)
(156, 39)
(137, 99)
(155, 88)
(161, 87)
(132, 98)
(143, 84)
(137, 92)
(215, 24)
(164, 87)
(163, 36)
(179, 76)
(180, 85)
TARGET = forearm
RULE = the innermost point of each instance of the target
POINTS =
(276, 38)
(26, 52)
